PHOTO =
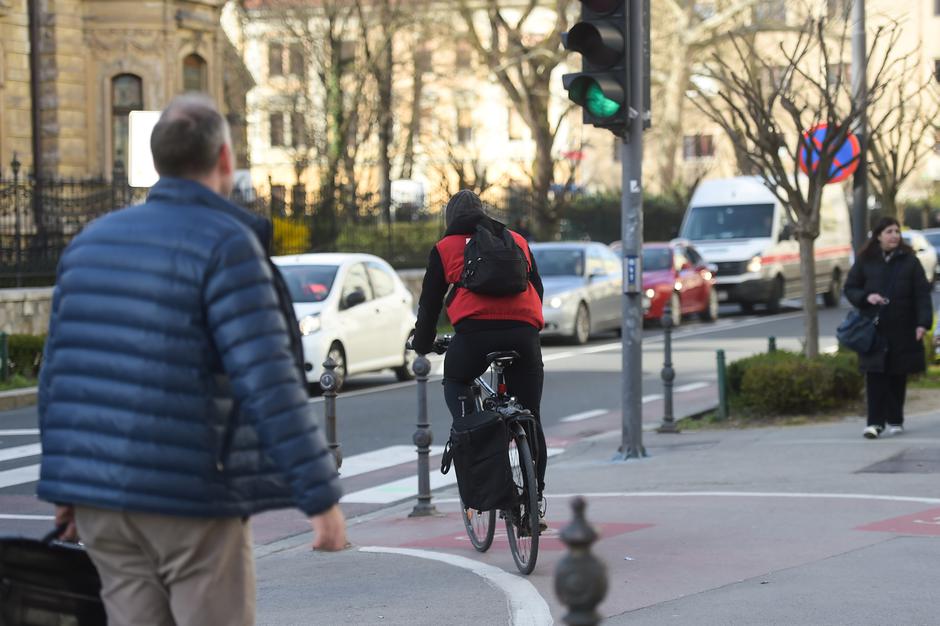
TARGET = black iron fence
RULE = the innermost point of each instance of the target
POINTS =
(39, 218)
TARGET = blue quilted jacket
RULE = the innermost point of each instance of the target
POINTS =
(170, 382)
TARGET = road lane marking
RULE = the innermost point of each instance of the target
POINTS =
(381, 459)
(28, 518)
(19, 476)
(20, 452)
(405, 488)
(586, 415)
(15, 432)
(746, 494)
(651, 397)
(690, 387)
(526, 606)
(555, 356)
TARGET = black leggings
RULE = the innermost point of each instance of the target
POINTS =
(466, 359)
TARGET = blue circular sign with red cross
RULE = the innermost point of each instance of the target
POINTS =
(844, 162)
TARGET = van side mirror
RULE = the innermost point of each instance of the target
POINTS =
(786, 233)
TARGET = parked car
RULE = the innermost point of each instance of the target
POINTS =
(675, 274)
(933, 236)
(352, 308)
(583, 285)
(926, 253)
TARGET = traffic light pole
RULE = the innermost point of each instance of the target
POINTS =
(860, 93)
(631, 236)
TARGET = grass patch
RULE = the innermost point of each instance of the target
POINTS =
(740, 417)
(928, 380)
(17, 381)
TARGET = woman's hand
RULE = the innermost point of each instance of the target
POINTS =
(920, 332)
(876, 298)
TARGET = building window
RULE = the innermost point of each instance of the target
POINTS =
(298, 134)
(704, 10)
(297, 60)
(347, 54)
(422, 60)
(464, 125)
(278, 199)
(127, 94)
(839, 72)
(516, 125)
(697, 147)
(936, 67)
(936, 7)
(936, 142)
(194, 73)
(275, 59)
(771, 12)
(463, 56)
(277, 129)
(839, 9)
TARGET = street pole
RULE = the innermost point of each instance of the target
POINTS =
(860, 93)
(631, 237)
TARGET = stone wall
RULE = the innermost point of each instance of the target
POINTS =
(25, 311)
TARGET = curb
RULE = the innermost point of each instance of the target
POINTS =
(18, 398)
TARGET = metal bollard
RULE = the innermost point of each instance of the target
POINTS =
(580, 577)
(422, 439)
(722, 386)
(771, 344)
(328, 385)
(668, 375)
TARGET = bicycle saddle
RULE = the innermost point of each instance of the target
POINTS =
(502, 359)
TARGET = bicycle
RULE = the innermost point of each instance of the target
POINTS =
(522, 520)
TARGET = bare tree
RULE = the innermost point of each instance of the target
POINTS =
(767, 99)
(522, 63)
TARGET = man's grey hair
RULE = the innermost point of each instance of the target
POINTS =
(188, 137)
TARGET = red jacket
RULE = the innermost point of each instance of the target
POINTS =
(523, 307)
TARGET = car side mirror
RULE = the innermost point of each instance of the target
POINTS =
(355, 298)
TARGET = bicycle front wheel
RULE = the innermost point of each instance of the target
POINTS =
(480, 526)
(522, 524)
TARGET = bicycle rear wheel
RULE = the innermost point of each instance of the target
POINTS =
(480, 526)
(522, 525)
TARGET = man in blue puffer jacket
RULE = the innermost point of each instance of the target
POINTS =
(172, 402)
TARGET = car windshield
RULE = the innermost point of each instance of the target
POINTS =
(309, 283)
(742, 221)
(559, 261)
(656, 259)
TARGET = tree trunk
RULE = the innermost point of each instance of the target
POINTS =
(889, 207)
(543, 170)
(808, 288)
(385, 132)
(414, 125)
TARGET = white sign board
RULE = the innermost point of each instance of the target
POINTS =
(140, 170)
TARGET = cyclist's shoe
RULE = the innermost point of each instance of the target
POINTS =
(543, 526)
(543, 507)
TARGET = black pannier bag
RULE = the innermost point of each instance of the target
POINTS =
(494, 265)
(479, 448)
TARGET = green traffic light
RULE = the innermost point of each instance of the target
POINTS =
(598, 104)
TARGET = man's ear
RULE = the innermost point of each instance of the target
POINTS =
(226, 160)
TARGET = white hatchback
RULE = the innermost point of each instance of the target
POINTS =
(353, 308)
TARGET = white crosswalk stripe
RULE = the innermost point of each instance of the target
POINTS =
(19, 476)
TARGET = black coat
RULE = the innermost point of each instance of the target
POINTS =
(897, 350)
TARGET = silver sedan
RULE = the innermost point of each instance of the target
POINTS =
(582, 283)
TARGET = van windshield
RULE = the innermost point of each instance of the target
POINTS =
(740, 221)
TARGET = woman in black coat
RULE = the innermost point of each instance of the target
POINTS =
(887, 280)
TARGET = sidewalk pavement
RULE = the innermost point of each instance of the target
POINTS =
(784, 525)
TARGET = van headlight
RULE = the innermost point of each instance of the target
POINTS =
(309, 324)
(754, 265)
(556, 302)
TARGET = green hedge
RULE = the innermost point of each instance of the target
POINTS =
(787, 383)
(25, 354)
(597, 216)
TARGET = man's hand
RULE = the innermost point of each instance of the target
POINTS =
(876, 298)
(920, 332)
(329, 530)
(65, 516)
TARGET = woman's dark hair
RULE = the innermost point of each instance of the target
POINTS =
(872, 247)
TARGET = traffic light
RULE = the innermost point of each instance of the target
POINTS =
(601, 87)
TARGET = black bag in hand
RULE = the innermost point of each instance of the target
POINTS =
(479, 448)
(858, 332)
(44, 582)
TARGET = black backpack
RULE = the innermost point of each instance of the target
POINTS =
(494, 265)
(479, 450)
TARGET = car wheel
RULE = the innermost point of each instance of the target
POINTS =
(776, 295)
(710, 314)
(406, 370)
(831, 297)
(338, 355)
(582, 326)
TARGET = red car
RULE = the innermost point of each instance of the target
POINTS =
(675, 274)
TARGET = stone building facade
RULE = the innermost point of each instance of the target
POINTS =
(99, 60)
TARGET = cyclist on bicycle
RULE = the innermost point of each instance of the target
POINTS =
(482, 323)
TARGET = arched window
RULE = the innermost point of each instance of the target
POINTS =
(194, 73)
(127, 94)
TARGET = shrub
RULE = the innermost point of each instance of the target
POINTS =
(25, 354)
(782, 382)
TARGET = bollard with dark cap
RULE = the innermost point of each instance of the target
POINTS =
(722, 385)
(580, 577)
(668, 375)
(771, 344)
(422, 439)
(328, 385)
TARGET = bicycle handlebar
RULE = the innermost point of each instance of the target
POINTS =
(440, 345)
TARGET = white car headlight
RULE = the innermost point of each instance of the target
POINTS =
(556, 302)
(650, 293)
(309, 324)
(754, 264)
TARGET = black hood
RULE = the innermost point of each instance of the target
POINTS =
(464, 211)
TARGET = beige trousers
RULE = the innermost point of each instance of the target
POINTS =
(159, 570)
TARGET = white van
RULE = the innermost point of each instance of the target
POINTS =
(740, 226)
